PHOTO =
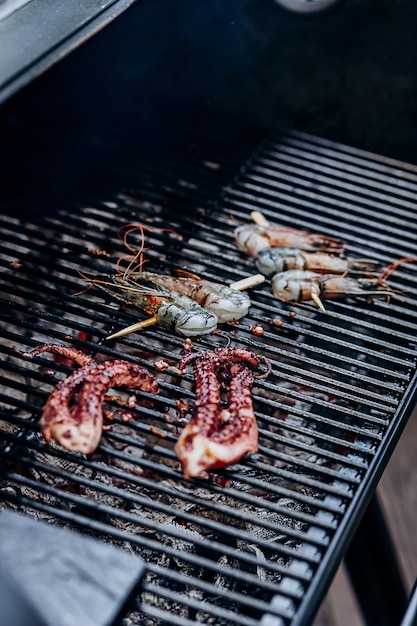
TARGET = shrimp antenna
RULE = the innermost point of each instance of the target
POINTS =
(84, 277)
(137, 261)
(395, 265)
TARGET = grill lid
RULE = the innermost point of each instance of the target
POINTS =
(34, 37)
(259, 541)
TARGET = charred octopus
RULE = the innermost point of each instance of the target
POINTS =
(217, 436)
(73, 414)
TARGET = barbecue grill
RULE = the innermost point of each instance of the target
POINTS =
(256, 544)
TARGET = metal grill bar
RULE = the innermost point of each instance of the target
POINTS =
(217, 550)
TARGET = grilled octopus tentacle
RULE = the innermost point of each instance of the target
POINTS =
(216, 437)
(225, 356)
(79, 427)
(67, 351)
(73, 415)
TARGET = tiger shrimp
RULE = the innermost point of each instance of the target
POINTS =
(168, 309)
(272, 260)
(224, 301)
(302, 285)
(252, 238)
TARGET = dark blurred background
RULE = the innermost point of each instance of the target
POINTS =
(348, 74)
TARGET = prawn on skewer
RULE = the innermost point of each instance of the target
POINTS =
(226, 302)
(310, 266)
(302, 285)
(274, 260)
(252, 238)
(187, 304)
(168, 309)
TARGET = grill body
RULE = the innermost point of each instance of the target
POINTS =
(343, 383)
(259, 542)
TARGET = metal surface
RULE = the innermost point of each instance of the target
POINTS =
(7, 7)
(374, 572)
(35, 35)
(307, 6)
(257, 543)
(410, 616)
(59, 573)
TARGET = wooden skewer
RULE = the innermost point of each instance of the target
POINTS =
(248, 282)
(134, 327)
(319, 303)
(259, 218)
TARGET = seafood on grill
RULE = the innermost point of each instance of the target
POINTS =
(224, 301)
(252, 238)
(73, 413)
(187, 304)
(274, 260)
(218, 436)
(167, 308)
(303, 285)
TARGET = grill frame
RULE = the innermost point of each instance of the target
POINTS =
(198, 193)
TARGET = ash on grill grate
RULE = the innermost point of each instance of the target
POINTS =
(217, 550)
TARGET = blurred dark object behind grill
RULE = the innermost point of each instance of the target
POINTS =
(346, 75)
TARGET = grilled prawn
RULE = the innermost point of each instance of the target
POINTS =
(170, 310)
(301, 285)
(226, 303)
(274, 260)
(252, 238)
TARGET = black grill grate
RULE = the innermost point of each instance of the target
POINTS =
(258, 542)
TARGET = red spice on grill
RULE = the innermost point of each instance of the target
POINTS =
(161, 365)
(99, 252)
(188, 344)
(182, 405)
(257, 330)
(216, 437)
(73, 413)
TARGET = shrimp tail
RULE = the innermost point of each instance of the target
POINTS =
(339, 287)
